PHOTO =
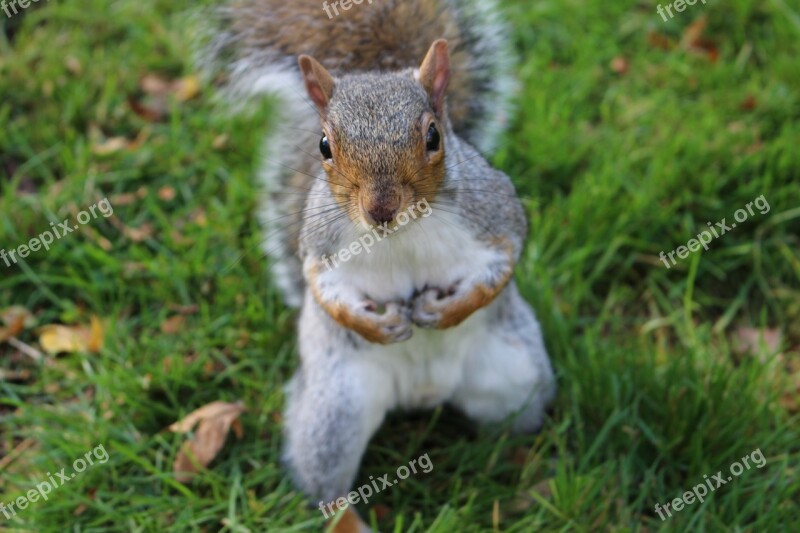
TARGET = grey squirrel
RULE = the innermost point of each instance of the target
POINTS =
(381, 107)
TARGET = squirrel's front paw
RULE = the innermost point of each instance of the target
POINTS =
(431, 304)
(387, 323)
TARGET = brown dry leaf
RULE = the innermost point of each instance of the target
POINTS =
(15, 375)
(238, 429)
(220, 141)
(166, 193)
(153, 84)
(152, 112)
(120, 200)
(110, 146)
(693, 40)
(15, 319)
(748, 340)
(749, 103)
(184, 309)
(143, 232)
(198, 217)
(154, 106)
(80, 509)
(694, 32)
(382, 511)
(173, 324)
(659, 40)
(57, 338)
(620, 65)
(213, 422)
(74, 66)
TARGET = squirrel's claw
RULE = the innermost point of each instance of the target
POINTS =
(389, 323)
(431, 304)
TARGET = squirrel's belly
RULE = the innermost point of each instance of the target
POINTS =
(428, 368)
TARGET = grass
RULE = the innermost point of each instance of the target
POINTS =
(616, 160)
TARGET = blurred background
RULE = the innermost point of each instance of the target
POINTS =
(631, 134)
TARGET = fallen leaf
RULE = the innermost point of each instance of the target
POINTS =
(15, 319)
(693, 32)
(153, 84)
(152, 112)
(220, 141)
(659, 40)
(693, 40)
(58, 338)
(110, 146)
(238, 429)
(143, 232)
(748, 340)
(154, 105)
(382, 511)
(119, 200)
(74, 66)
(213, 423)
(173, 324)
(82, 507)
(186, 88)
(749, 103)
(166, 193)
(620, 65)
(15, 375)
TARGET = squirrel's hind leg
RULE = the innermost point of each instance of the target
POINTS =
(334, 405)
(509, 373)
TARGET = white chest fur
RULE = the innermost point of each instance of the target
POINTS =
(434, 251)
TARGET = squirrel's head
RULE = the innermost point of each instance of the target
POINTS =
(383, 135)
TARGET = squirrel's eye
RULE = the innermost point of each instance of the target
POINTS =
(325, 147)
(432, 139)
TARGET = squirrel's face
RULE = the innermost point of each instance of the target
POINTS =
(382, 146)
(384, 136)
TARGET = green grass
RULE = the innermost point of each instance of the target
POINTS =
(614, 168)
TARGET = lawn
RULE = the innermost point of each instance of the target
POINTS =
(631, 135)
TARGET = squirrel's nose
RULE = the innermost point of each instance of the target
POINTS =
(382, 214)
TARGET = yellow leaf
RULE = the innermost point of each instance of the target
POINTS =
(186, 88)
(58, 338)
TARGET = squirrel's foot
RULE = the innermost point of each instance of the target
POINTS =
(431, 305)
(386, 323)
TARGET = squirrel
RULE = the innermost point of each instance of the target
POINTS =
(385, 110)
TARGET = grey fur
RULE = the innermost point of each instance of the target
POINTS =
(226, 50)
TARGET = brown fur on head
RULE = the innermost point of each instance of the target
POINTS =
(384, 134)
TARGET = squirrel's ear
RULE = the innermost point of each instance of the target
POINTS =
(434, 74)
(319, 82)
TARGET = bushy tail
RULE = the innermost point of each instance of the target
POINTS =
(252, 48)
